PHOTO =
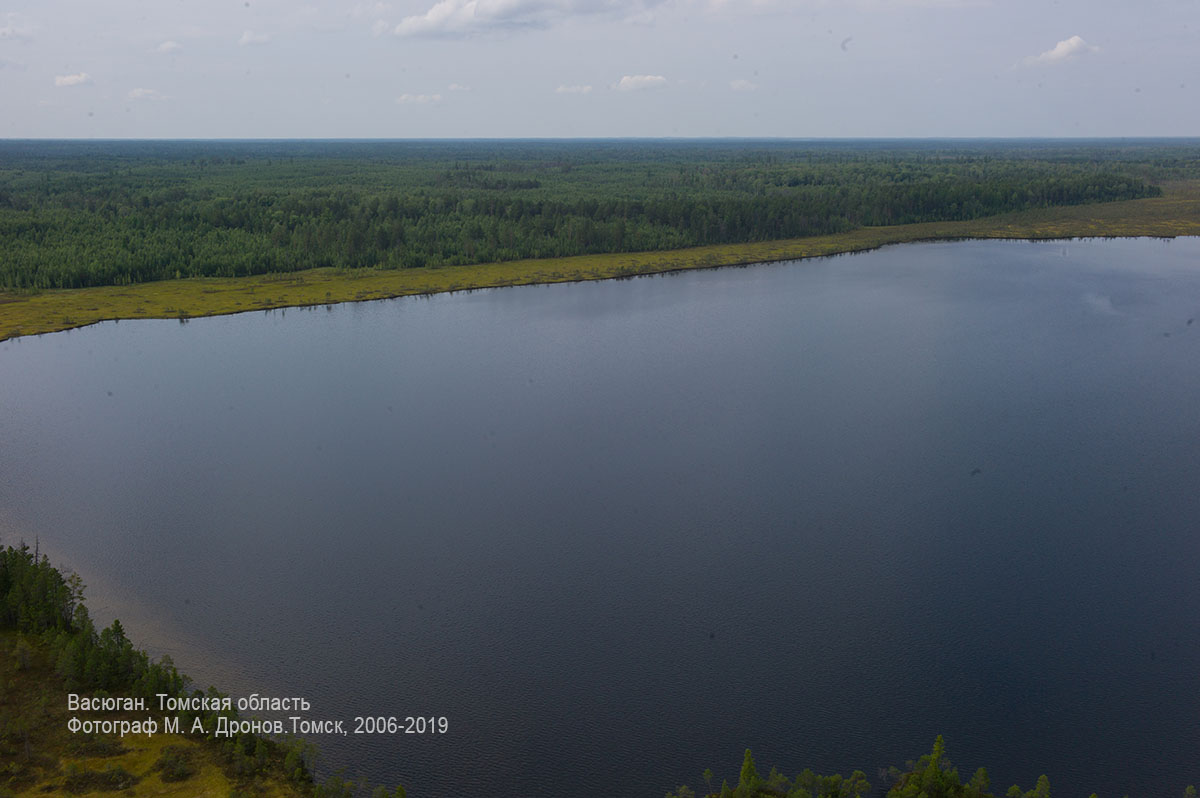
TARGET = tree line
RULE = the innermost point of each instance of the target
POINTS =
(931, 776)
(114, 213)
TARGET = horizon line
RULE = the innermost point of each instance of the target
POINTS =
(265, 139)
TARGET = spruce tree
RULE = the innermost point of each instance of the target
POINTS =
(749, 777)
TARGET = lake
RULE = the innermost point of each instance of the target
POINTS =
(617, 532)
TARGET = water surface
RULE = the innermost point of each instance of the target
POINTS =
(617, 532)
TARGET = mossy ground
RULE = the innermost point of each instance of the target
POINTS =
(1175, 213)
(39, 756)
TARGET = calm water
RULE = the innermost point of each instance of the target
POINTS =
(617, 532)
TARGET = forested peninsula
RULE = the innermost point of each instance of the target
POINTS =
(94, 230)
(50, 648)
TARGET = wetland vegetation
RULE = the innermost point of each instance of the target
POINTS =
(182, 229)
(101, 230)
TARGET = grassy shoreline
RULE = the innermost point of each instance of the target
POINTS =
(1175, 213)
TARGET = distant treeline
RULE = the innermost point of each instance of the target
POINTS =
(76, 214)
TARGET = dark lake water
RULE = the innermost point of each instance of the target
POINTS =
(617, 532)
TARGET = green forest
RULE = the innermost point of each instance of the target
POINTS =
(76, 214)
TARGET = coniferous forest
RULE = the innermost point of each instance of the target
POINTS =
(75, 214)
(94, 213)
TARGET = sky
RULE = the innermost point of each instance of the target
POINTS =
(599, 68)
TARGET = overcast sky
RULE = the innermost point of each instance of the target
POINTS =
(584, 68)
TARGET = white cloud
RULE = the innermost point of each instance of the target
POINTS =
(742, 85)
(573, 90)
(418, 99)
(468, 17)
(168, 47)
(458, 87)
(639, 82)
(461, 17)
(147, 94)
(78, 79)
(13, 26)
(1063, 51)
(250, 37)
(380, 27)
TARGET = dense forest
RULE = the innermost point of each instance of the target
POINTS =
(76, 214)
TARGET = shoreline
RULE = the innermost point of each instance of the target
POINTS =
(1175, 213)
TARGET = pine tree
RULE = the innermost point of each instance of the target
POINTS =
(749, 777)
